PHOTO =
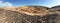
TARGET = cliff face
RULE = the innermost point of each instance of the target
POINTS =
(29, 14)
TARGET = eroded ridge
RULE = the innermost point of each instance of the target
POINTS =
(32, 10)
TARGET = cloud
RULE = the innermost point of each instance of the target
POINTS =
(57, 2)
(54, 3)
(7, 4)
(4, 4)
(1, 2)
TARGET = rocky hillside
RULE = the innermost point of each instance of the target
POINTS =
(29, 14)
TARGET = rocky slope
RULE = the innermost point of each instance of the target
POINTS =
(29, 14)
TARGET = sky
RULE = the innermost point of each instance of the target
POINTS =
(48, 3)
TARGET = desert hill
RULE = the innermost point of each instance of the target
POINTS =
(29, 14)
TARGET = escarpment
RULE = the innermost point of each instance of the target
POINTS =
(29, 14)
